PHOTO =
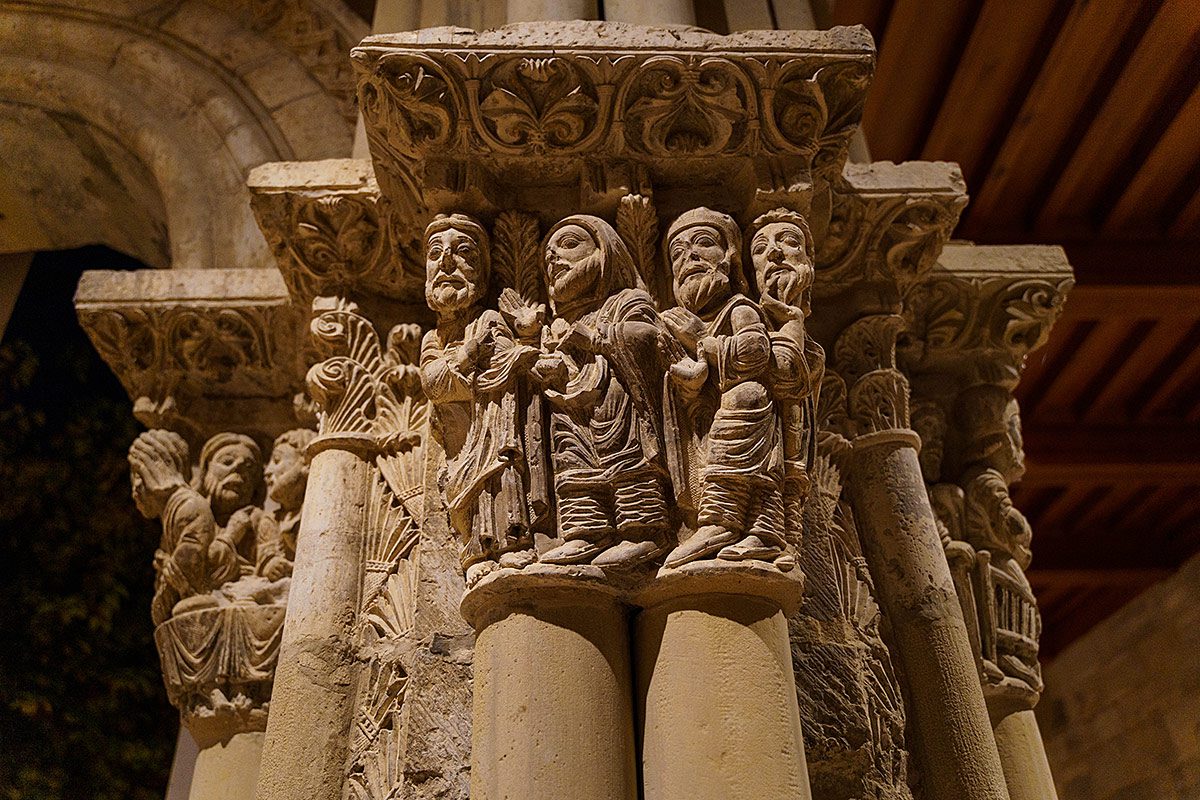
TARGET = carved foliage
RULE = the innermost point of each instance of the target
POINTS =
(166, 356)
(865, 359)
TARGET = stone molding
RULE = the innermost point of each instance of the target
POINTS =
(199, 351)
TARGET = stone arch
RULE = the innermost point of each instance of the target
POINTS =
(134, 124)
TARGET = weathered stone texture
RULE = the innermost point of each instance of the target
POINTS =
(1121, 711)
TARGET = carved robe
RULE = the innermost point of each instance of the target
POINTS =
(482, 415)
(195, 554)
(607, 451)
(740, 453)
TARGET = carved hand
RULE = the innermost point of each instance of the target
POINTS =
(690, 373)
(526, 319)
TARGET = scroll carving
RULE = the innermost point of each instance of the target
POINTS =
(223, 569)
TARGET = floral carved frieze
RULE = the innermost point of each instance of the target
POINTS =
(982, 310)
(887, 222)
(330, 231)
(476, 116)
(197, 349)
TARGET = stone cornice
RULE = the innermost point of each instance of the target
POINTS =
(199, 351)
(467, 122)
(324, 222)
(978, 314)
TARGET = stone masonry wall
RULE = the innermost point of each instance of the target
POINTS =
(1121, 712)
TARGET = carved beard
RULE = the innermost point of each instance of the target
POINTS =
(225, 495)
(784, 284)
(701, 290)
(448, 297)
(576, 284)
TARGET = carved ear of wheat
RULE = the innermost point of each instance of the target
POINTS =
(637, 224)
(517, 256)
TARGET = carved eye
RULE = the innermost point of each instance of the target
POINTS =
(569, 240)
(434, 254)
(791, 240)
(759, 246)
(676, 251)
(706, 240)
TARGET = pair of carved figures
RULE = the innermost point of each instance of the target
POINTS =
(220, 542)
(612, 430)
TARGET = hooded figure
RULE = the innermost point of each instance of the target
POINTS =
(609, 475)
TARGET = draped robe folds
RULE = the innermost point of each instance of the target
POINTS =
(484, 414)
(202, 552)
(731, 468)
(605, 433)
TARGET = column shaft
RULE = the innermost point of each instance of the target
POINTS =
(1023, 757)
(228, 770)
(553, 703)
(535, 10)
(953, 741)
(651, 12)
(718, 696)
(308, 731)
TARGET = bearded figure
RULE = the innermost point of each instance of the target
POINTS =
(603, 368)
(474, 371)
(781, 253)
(732, 473)
(208, 533)
(286, 478)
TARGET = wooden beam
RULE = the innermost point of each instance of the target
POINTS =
(1125, 263)
(1089, 38)
(1042, 579)
(979, 104)
(1170, 301)
(1161, 57)
(1155, 454)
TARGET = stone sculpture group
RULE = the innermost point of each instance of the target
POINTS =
(614, 428)
(223, 565)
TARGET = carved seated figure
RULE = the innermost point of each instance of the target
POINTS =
(722, 384)
(472, 370)
(603, 367)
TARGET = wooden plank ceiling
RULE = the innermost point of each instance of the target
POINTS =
(1076, 123)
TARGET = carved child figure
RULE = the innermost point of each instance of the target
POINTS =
(739, 512)
(472, 368)
(604, 366)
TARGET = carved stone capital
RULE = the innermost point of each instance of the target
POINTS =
(199, 351)
(330, 233)
(886, 223)
(979, 312)
(462, 121)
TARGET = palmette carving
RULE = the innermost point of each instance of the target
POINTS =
(223, 569)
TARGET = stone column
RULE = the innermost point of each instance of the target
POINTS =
(1023, 757)
(308, 739)
(651, 12)
(307, 743)
(719, 715)
(553, 708)
(532, 10)
(953, 741)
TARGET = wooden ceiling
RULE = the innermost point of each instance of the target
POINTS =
(1076, 123)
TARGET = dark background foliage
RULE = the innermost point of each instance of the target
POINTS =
(83, 713)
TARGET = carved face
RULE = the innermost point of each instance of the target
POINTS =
(573, 264)
(700, 264)
(231, 477)
(1016, 445)
(453, 271)
(782, 267)
(286, 476)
